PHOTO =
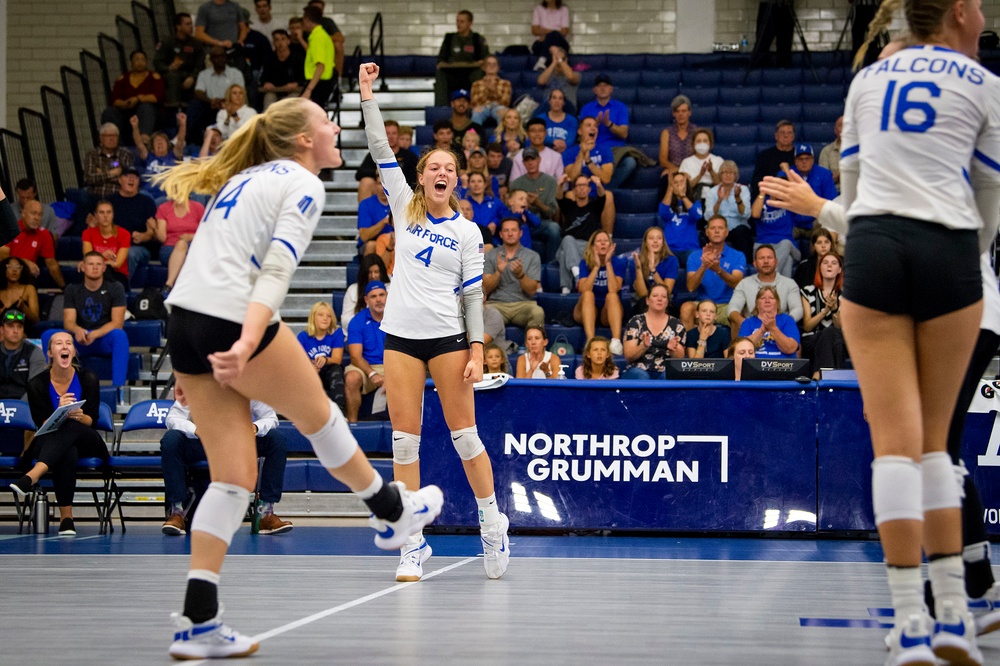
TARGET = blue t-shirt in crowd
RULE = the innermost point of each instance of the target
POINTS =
(667, 269)
(820, 179)
(770, 348)
(365, 331)
(620, 266)
(151, 167)
(712, 286)
(321, 346)
(774, 225)
(371, 211)
(619, 116)
(681, 229)
(600, 154)
(530, 220)
(487, 212)
(564, 129)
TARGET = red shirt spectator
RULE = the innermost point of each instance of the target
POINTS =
(118, 238)
(31, 244)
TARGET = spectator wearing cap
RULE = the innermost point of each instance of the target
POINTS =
(551, 162)
(612, 126)
(366, 345)
(33, 243)
(820, 179)
(461, 116)
(135, 213)
(407, 160)
(490, 95)
(770, 159)
(460, 59)
(21, 359)
(541, 191)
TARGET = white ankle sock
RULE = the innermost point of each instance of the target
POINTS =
(906, 584)
(489, 514)
(947, 576)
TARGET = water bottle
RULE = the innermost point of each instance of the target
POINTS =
(40, 516)
(743, 44)
(562, 372)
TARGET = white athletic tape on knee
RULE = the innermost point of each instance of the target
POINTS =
(221, 510)
(333, 443)
(466, 441)
(405, 447)
(897, 484)
(940, 490)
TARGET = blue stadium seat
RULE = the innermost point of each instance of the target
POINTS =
(554, 304)
(681, 293)
(432, 114)
(815, 132)
(296, 478)
(824, 94)
(735, 134)
(423, 135)
(573, 334)
(703, 95)
(668, 62)
(627, 245)
(633, 225)
(509, 64)
(705, 115)
(518, 79)
(625, 94)
(818, 113)
(772, 113)
(69, 248)
(701, 77)
(584, 96)
(745, 154)
(398, 65)
(765, 132)
(148, 333)
(660, 78)
(741, 77)
(621, 62)
(781, 94)
(731, 115)
(515, 334)
(780, 77)
(644, 133)
(644, 114)
(424, 66)
(597, 61)
(658, 96)
(651, 150)
(700, 61)
(550, 278)
(337, 301)
(740, 95)
(647, 177)
(352, 271)
(619, 78)
(101, 366)
(629, 201)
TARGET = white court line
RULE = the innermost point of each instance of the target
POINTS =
(73, 537)
(350, 604)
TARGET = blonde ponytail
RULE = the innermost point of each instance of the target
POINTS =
(266, 136)
(416, 210)
(883, 17)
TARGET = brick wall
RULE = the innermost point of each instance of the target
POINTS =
(42, 35)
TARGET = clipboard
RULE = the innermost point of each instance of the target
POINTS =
(61, 414)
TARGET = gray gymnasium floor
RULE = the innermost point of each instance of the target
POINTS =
(325, 595)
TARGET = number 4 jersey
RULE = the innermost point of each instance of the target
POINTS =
(276, 204)
(923, 122)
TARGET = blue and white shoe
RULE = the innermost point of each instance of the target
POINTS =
(909, 642)
(496, 548)
(411, 561)
(986, 611)
(208, 640)
(420, 508)
(954, 640)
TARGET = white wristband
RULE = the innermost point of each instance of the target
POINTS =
(372, 374)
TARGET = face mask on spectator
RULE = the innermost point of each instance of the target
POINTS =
(701, 148)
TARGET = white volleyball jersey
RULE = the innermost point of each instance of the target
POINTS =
(435, 260)
(277, 203)
(925, 125)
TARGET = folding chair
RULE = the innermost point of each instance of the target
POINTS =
(145, 464)
(15, 420)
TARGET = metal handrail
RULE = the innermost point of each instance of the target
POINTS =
(377, 47)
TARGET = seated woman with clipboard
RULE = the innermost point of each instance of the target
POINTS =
(61, 444)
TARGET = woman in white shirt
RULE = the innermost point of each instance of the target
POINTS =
(702, 168)
(235, 113)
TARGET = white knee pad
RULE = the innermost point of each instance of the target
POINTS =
(896, 489)
(940, 489)
(466, 441)
(221, 510)
(405, 447)
(333, 443)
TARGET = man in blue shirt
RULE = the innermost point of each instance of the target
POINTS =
(713, 273)
(366, 345)
(820, 179)
(612, 126)
(373, 218)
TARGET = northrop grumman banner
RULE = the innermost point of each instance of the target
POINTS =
(637, 455)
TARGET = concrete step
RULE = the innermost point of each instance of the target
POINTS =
(330, 251)
(398, 84)
(341, 177)
(413, 117)
(341, 202)
(326, 278)
(337, 226)
(389, 102)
